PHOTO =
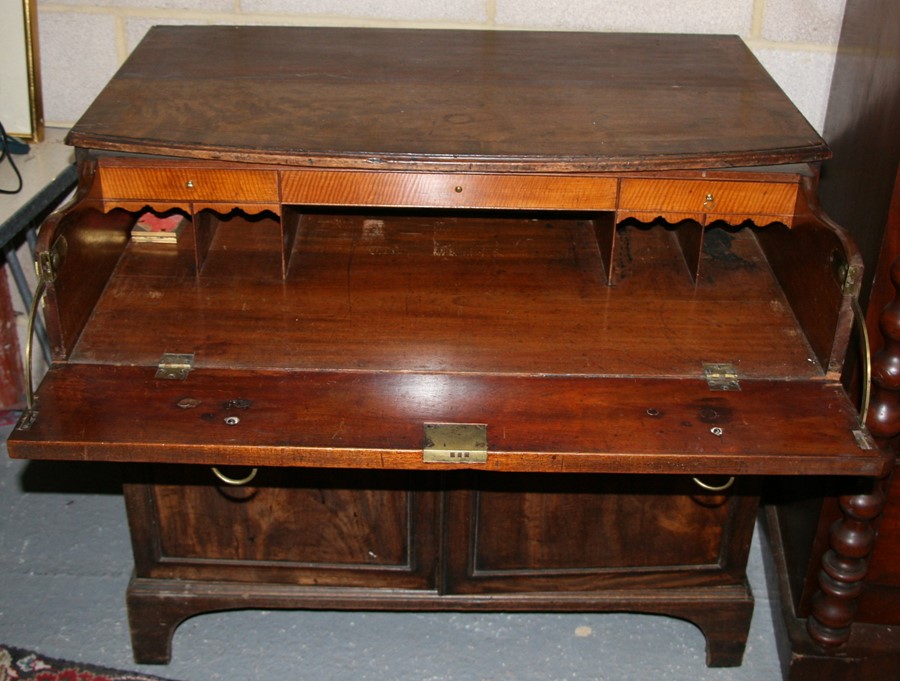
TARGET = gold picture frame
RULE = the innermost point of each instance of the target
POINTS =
(21, 105)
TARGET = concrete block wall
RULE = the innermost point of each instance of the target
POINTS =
(82, 42)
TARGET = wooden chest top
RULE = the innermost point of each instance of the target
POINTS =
(448, 100)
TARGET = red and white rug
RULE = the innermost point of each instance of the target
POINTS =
(17, 664)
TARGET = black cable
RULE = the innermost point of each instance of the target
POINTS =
(6, 155)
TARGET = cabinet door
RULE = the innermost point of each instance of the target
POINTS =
(532, 533)
(298, 526)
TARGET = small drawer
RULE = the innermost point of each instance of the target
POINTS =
(715, 197)
(446, 190)
(189, 184)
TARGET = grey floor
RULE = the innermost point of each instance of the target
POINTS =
(65, 562)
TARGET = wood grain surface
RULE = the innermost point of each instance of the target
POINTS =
(375, 420)
(447, 99)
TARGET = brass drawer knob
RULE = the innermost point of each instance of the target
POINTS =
(189, 184)
(709, 202)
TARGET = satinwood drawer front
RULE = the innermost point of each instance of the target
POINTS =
(701, 196)
(448, 190)
(189, 184)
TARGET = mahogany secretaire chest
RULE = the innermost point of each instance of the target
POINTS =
(446, 320)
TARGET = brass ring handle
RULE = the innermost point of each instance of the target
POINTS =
(715, 488)
(860, 319)
(234, 481)
(29, 343)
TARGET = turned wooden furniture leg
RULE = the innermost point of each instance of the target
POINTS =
(853, 536)
(844, 567)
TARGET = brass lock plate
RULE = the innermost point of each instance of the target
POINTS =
(455, 443)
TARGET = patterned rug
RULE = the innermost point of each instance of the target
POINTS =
(23, 665)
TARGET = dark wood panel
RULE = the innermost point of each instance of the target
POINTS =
(90, 245)
(526, 533)
(861, 128)
(320, 518)
(312, 527)
(879, 278)
(507, 100)
(812, 262)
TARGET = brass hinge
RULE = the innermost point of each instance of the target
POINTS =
(863, 439)
(846, 275)
(27, 419)
(722, 376)
(455, 443)
(174, 366)
(47, 264)
(851, 279)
